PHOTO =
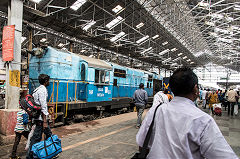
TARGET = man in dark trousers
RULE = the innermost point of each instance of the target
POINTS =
(140, 99)
(40, 97)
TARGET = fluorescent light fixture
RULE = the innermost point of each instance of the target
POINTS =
(184, 57)
(164, 52)
(230, 19)
(213, 34)
(142, 39)
(210, 23)
(188, 60)
(218, 16)
(167, 60)
(173, 64)
(235, 27)
(176, 59)
(180, 54)
(43, 40)
(89, 25)
(23, 39)
(36, 1)
(223, 31)
(60, 44)
(174, 49)
(155, 37)
(199, 53)
(147, 50)
(78, 4)
(165, 43)
(204, 5)
(140, 25)
(225, 40)
(117, 37)
(191, 62)
(114, 22)
(117, 9)
(237, 7)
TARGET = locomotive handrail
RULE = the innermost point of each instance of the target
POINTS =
(52, 95)
(66, 101)
(56, 101)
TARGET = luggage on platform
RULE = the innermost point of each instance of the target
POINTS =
(217, 109)
(48, 148)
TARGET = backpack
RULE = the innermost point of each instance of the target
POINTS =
(27, 103)
(25, 119)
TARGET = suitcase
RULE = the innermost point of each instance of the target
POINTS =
(218, 111)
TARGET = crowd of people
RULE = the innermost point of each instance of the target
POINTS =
(227, 98)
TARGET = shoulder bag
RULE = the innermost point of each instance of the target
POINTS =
(143, 152)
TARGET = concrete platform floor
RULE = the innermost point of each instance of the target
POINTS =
(114, 137)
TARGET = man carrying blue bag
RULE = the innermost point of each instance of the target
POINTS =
(40, 97)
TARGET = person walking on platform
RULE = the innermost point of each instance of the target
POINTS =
(181, 130)
(232, 98)
(204, 93)
(140, 99)
(21, 129)
(40, 97)
(213, 99)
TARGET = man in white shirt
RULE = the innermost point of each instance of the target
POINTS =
(181, 130)
(40, 95)
(204, 92)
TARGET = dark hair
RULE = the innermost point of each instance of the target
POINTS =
(157, 88)
(141, 85)
(43, 78)
(183, 81)
(165, 91)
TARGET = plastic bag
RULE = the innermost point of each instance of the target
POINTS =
(235, 109)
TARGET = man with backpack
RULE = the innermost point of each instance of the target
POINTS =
(40, 95)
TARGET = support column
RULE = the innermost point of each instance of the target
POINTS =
(15, 16)
(8, 116)
(30, 36)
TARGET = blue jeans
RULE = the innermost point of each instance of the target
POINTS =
(37, 137)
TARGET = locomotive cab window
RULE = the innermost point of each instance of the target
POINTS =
(83, 72)
(150, 78)
(102, 77)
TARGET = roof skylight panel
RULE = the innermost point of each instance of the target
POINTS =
(117, 37)
(114, 22)
(89, 25)
(142, 39)
(76, 5)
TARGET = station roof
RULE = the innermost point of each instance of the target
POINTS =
(147, 33)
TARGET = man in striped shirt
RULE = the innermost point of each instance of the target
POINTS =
(20, 129)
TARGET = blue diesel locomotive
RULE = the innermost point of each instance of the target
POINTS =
(78, 82)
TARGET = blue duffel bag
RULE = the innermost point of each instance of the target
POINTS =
(48, 148)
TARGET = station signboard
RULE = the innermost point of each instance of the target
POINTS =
(8, 43)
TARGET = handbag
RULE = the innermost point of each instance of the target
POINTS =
(48, 148)
(143, 152)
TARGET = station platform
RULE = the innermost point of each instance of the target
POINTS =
(115, 137)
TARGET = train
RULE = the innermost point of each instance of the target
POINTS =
(79, 82)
